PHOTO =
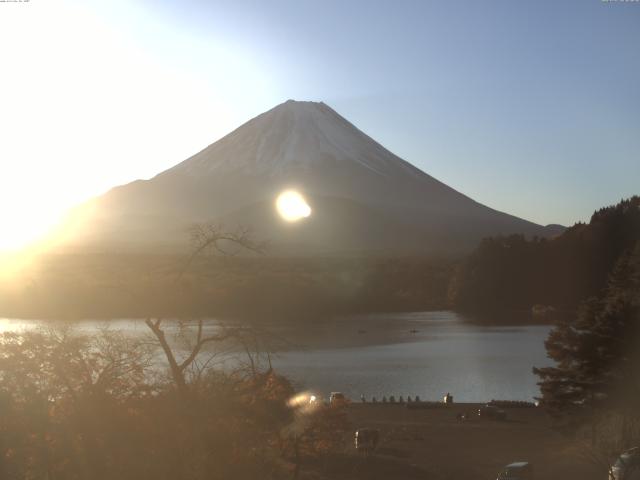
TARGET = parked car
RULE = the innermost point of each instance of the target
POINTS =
(492, 413)
(516, 471)
(366, 440)
(627, 466)
(337, 398)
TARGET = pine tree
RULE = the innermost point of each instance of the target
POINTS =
(597, 355)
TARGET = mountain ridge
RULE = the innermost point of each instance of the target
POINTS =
(309, 147)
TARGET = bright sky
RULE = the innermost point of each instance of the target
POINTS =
(529, 107)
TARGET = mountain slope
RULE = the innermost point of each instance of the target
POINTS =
(364, 198)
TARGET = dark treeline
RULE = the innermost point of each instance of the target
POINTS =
(514, 273)
(127, 285)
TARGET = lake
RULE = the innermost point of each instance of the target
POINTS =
(422, 353)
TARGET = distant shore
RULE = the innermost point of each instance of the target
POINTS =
(335, 331)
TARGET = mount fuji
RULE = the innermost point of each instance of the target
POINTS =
(365, 200)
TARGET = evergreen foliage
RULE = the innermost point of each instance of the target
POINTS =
(597, 356)
(516, 273)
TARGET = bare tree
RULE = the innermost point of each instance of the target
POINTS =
(205, 237)
(177, 367)
(213, 237)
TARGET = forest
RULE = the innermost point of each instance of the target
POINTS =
(514, 273)
(255, 287)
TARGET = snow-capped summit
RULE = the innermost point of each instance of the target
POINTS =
(293, 135)
(363, 197)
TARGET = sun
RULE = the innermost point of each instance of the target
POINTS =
(292, 206)
(25, 222)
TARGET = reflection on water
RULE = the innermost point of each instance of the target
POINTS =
(446, 354)
(425, 353)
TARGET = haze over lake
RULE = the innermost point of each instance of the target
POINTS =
(420, 353)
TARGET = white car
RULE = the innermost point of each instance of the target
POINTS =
(627, 466)
(517, 471)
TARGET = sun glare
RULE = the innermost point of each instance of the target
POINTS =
(292, 206)
(94, 122)
(25, 222)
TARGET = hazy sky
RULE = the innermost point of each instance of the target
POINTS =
(532, 108)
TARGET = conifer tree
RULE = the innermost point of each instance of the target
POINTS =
(597, 355)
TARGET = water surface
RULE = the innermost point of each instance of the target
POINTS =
(446, 354)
